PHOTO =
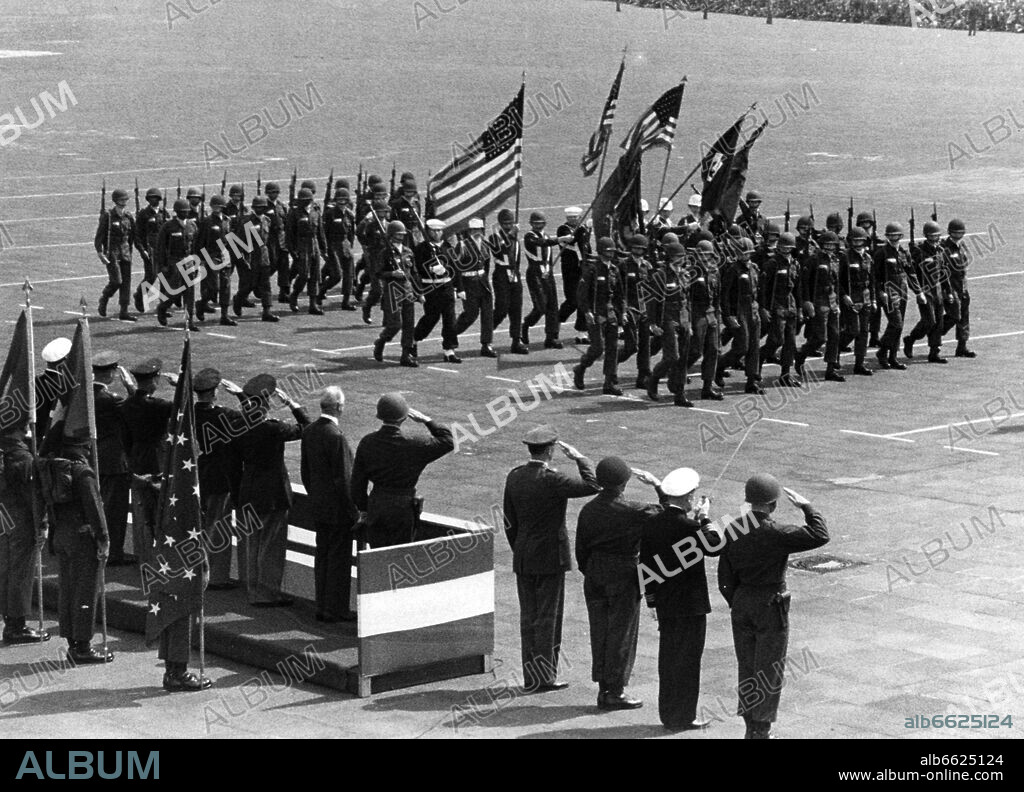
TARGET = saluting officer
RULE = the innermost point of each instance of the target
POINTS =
(340, 233)
(602, 302)
(304, 235)
(211, 243)
(475, 271)
(752, 578)
(438, 280)
(113, 242)
(895, 276)
(933, 277)
(741, 312)
(819, 294)
(111, 439)
(540, 280)
(670, 318)
(959, 313)
(148, 223)
(858, 298)
(508, 282)
(399, 299)
(176, 261)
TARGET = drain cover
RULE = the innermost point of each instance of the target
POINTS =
(823, 564)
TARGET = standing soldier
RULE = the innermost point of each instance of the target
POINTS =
(602, 302)
(437, 279)
(692, 216)
(195, 204)
(636, 271)
(254, 277)
(819, 296)
(176, 261)
(752, 578)
(805, 239)
(475, 268)
(572, 257)
(741, 284)
(895, 278)
(340, 233)
(933, 277)
(372, 234)
(858, 298)
(279, 258)
(234, 210)
(959, 312)
(113, 242)
(834, 223)
(304, 236)
(540, 280)
(211, 243)
(535, 501)
(21, 539)
(508, 281)
(111, 435)
(780, 282)
(670, 288)
(705, 300)
(866, 222)
(399, 300)
(147, 224)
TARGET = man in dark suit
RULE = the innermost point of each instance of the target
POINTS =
(327, 476)
(115, 480)
(535, 501)
(393, 463)
(676, 586)
(265, 487)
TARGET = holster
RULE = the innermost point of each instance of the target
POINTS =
(780, 601)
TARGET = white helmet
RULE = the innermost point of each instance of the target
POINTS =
(694, 202)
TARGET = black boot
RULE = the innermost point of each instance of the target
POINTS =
(894, 363)
(883, 357)
(84, 654)
(964, 352)
(934, 357)
(832, 374)
(611, 389)
(378, 350)
(101, 306)
(754, 387)
(652, 387)
(861, 369)
(225, 320)
(268, 316)
(486, 350)
(577, 376)
(908, 347)
(124, 316)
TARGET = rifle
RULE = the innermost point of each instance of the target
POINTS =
(913, 244)
(874, 228)
(291, 188)
(812, 215)
(849, 221)
(935, 213)
(330, 188)
(392, 177)
(787, 216)
(359, 184)
(103, 214)
(179, 188)
(259, 183)
(224, 182)
(202, 205)
(136, 196)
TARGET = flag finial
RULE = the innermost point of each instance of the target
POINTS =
(27, 287)
(83, 306)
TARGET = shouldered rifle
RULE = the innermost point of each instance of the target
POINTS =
(179, 189)
(359, 184)
(202, 205)
(291, 188)
(811, 215)
(259, 183)
(392, 177)
(913, 244)
(786, 216)
(136, 196)
(103, 214)
(874, 228)
(935, 213)
(330, 186)
(849, 221)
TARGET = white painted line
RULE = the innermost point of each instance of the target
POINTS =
(706, 410)
(995, 335)
(447, 371)
(971, 450)
(93, 215)
(221, 335)
(877, 436)
(790, 423)
(501, 379)
(995, 275)
(272, 343)
(19, 284)
(56, 245)
(324, 351)
(73, 313)
(948, 426)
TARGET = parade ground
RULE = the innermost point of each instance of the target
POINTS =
(915, 606)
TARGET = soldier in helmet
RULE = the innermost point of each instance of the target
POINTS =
(211, 244)
(439, 281)
(669, 312)
(601, 298)
(373, 236)
(407, 207)
(540, 280)
(177, 263)
(636, 272)
(280, 260)
(834, 223)
(113, 242)
(751, 220)
(692, 215)
(147, 224)
(235, 211)
(958, 312)
(255, 277)
(195, 203)
(780, 284)
(304, 236)
(858, 297)
(895, 278)
(572, 257)
(508, 281)
(741, 314)
(399, 299)
(933, 277)
(340, 233)
(819, 298)
(866, 222)
(705, 311)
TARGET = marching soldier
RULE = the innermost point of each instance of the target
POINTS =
(858, 297)
(111, 437)
(834, 223)
(636, 270)
(113, 242)
(54, 384)
(195, 204)
(508, 282)
(601, 299)
(741, 285)
(894, 274)
(175, 260)
(340, 233)
(572, 257)
(692, 216)
(959, 313)
(819, 297)
(211, 243)
(780, 282)
(21, 540)
(933, 277)
(148, 223)
(438, 281)
(866, 222)
(670, 317)
(705, 299)
(399, 299)
(406, 207)
(280, 260)
(254, 277)
(373, 236)
(475, 269)
(234, 210)
(540, 280)
(304, 236)
(752, 579)
(753, 223)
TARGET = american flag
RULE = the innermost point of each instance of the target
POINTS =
(483, 176)
(599, 140)
(657, 127)
(174, 579)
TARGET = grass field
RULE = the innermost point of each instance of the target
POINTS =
(867, 112)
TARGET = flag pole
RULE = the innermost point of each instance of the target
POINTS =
(519, 169)
(604, 153)
(90, 409)
(202, 588)
(33, 443)
(668, 159)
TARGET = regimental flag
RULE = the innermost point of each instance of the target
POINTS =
(15, 381)
(80, 415)
(618, 202)
(174, 579)
(737, 178)
(657, 127)
(715, 166)
(599, 140)
(485, 175)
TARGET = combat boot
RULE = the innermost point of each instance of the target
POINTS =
(908, 347)
(101, 306)
(611, 389)
(934, 357)
(964, 352)
(832, 373)
(225, 320)
(577, 377)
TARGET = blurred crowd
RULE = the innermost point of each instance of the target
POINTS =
(997, 15)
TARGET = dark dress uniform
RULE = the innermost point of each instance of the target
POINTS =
(681, 602)
(636, 274)
(819, 295)
(601, 297)
(280, 261)
(752, 578)
(475, 272)
(327, 461)
(933, 279)
(895, 279)
(115, 480)
(780, 284)
(53, 387)
(220, 474)
(399, 300)
(145, 419)
(340, 233)
(175, 245)
(741, 313)
(608, 535)
(858, 301)
(114, 238)
(212, 245)
(266, 488)
(958, 313)
(304, 236)
(148, 223)
(436, 277)
(372, 235)
(254, 277)
(705, 303)
(20, 541)
(508, 283)
(572, 259)
(670, 311)
(540, 280)
(393, 463)
(535, 501)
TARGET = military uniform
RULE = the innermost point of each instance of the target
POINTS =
(780, 283)
(670, 311)
(410, 214)
(819, 295)
(959, 309)
(54, 385)
(254, 277)
(175, 246)
(636, 272)
(437, 278)
(212, 244)
(705, 300)
(508, 284)
(115, 480)
(895, 278)
(475, 271)
(340, 233)
(572, 258)
(858, 298)
(540, 280)
(148, 223)
(741, 312)
(372, 234)
(304, 236)
(399, 301)
(602, 301)
(277, 249)
(114, 238)
(932, 271)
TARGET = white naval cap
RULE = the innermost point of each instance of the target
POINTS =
(476, 222)
(435, 225)
(573, 211)
(666, 205)
(694, 202)
(679, 482)
(644, 206)
(56, 350)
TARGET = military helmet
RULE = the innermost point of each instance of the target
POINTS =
(804, 221)
(217, 200)
(119, 195)
(669, 237)
(260, 200)
(704, 246)
(235, 189)
(858, 234)
(956, 225)
(506, 216)
(774, 229)
(153, 192)
(754, 195)
(674, 250)
(194, 192)
(272, 187)
(735, 231)
(396, 227)
(931, 227)
(746, 245)
(605, 245)
(865, 217)
(834, 222)
(786, 239)
(762, 488)
(308, 184)
(537, 217)
(373, 179)
(305, 194)
(828, 238)
(639, 241)
(181, 205)
(893, 228)
(703, 236)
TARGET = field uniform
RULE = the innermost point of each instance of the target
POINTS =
(671, 313)
(304, 236)
(176, 242)
(959, 312)
(340, 233)
(741, 284)
(601, 300)
(114, 238)
(856, 283)
(819, 296)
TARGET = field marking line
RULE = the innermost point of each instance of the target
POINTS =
(221, 335)
(995, 335)
(876, 436)
(271, 343)
(971, 450)
(791, 423)
(502, 379)
(897, 435)
(447, 371)
(706, 410)
(995, 275)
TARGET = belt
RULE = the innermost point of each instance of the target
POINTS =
(436, 280)
(474, 274)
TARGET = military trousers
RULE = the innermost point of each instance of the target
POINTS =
(144, 502)
(338, 268)
(822, 329)
(439, 304)
(545, 304)
(399, 315)
(680, 648)
(958, 314)
(281, 264)
(781, 333)
(637, 341)
(613, 610)
(77, 568)
(18, 554)
(217, 536)
(704, 344)
(746, 343)
(255, 279)
(760, 631)
(306, 267)
(391, 516)
(541, 608)
(175, 640)
(114, 490)
(508, 302)
(856, 324)
(931, 324)
(675, 348)
(895, 309)
(479, 303)
(604, 340)
(570, 282)
(119, 280)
